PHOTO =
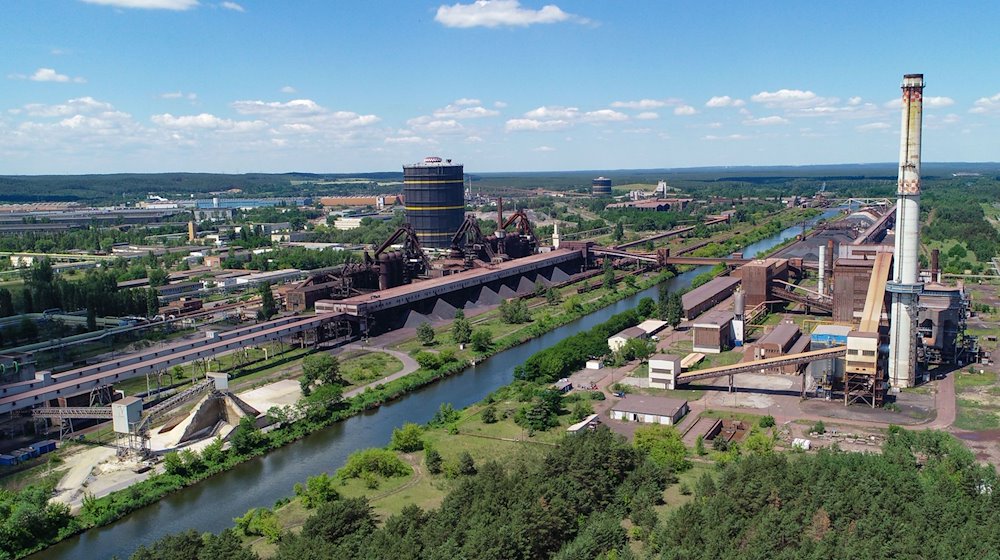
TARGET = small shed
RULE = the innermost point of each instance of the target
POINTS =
(649, 410)
(563, 385)
(594, 364)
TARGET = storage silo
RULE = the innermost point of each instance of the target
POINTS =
(435, 200)
(601, 187)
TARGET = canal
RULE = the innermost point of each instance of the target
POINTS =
(212, 504)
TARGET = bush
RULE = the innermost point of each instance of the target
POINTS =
(767, 421)
(818, 428)
(374, 460)
(408, 438)
(466, 465)
(425, 333)
(433, 460)
(489, 415)
(317, 490)
(482, 340)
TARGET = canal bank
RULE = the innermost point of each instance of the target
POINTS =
(212, 504)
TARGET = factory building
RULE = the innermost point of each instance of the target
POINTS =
(706, 296)
(712, 333)
(435, 200)
(601, 186)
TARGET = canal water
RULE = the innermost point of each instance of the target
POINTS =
(212, 504)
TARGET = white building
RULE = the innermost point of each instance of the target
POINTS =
(663, 371)
(649, 410)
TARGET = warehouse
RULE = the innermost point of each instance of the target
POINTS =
(713, 332)
(650, 410)
(706, 296)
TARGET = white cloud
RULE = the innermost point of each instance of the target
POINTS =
(148, 4)
(498, 13)
(938, 102)
(47, 75)
(430, 125)
(854, 101)
(544, 149)
(499, 104)
(986, 104)
(179, 95)
(685, 110)
(408, 140)
(288, 89)
(465, 109)
(647, 116)
(790, 99)
(640, 104)
(604, 115)
(553, 112)
(233, 6)
(873, 126)
(724, 101)
(72, 107)
(728, 137)
(205, 121)
(304, 110)
(766, 121)
(473, 139)
(516, 125)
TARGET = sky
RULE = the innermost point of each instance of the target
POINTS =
(107, 86)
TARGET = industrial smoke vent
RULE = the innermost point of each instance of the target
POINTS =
(435, 200)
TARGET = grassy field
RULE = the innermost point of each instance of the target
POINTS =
(360, 367)
(976, 417)
(672, 496)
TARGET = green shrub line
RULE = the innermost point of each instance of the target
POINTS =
(98, 512)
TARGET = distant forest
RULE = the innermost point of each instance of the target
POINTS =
(762, 181)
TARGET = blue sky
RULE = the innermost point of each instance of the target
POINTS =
(101, 86)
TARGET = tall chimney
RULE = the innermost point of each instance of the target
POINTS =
(905, 286)
(822, 269)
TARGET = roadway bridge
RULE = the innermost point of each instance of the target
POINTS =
(75, 382)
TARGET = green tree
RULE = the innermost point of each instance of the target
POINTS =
(514, 311)
(247, 436)
(766, 421)
(466, 465)
(425, 334)
(335, 520)
(609, 277)
(663, 445)
(6, 303)
(646, 307)
(408, 438)
(552, 296)
(482, 340)
(433, 460)
(674, 309)
(152, 302)
(317, 490)
(157, 277)
(699, 445)
(539, 288)
(619, 233)
(428, 360)
(489, 415)
(461, 329)
(320, 367)
(268, 307)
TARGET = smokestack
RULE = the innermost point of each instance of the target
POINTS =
(822, 269)
(829, 264)
(555, 236)
(500, 232)
(905, 286)
(192, 232)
